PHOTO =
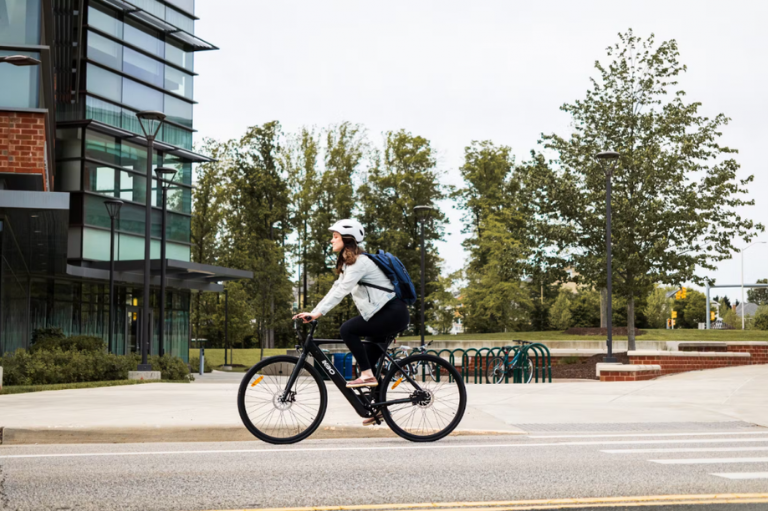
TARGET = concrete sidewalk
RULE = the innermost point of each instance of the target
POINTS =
(206, 410)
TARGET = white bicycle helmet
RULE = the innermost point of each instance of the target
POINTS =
(349, 227)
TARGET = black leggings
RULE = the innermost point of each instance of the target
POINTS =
(389, 320)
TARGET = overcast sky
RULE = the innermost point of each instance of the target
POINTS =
(454, 72)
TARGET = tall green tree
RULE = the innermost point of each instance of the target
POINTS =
(658, 307)
(758, 295)
(404, 175)
(257, 228)
(675, 189)
(494, 298)
(209, 206)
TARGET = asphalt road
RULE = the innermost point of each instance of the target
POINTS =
(237, 475)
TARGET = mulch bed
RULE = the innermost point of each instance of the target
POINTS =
(585, 368)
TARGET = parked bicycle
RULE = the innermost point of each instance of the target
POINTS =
(283, 399)
(501, 368)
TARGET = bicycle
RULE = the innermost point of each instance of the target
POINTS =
(420, 368)
(283, 399)
(497, 371)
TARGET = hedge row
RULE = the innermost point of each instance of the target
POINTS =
(51, 366)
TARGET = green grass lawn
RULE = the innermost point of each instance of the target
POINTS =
(215, 356)
(650, 335)
(21, 389)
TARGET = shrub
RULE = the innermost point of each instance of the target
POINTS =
(77, 342)
(51, 366)
(194, 365)
(760, 320)
(41, 333)
(172, 368)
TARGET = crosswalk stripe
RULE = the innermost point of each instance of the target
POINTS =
(642, 435)
(743, 475)
(686, 449)
(709, 461)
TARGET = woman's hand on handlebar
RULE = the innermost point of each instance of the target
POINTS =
(306, 316)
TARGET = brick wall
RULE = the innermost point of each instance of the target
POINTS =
(635, 376)
(759, 352)
(22, 144)
(671, 364)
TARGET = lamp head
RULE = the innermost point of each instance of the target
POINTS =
(150, 121)
(113, 207)
(20, 60)
(165, 176)
(423, 212)
(608, 161)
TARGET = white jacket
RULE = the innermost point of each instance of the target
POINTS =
(368, 300)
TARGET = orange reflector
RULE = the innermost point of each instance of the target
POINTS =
(257, 381)
(396, 383)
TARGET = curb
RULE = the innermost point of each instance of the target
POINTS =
(23, 436)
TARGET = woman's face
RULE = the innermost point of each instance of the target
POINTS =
(336, 242)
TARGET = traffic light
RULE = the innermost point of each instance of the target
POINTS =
(673, 322)
(678, 295)
(712, 315)
(674, 314)
(683, 293)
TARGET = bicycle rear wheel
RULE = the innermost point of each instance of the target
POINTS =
(273, 419)
(434, 408)
(495, 371)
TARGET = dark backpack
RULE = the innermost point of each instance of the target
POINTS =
(395, 271)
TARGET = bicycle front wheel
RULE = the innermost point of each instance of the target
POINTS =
(433, 409)
(274, 417)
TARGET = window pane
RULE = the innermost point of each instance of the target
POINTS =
(20, 22)
(180, 200)
(105, 19)
(19, 85)
(68, 143)
(177, 136)
(178, 110)
(105, 51)
(180, 20)
(176, 251)
(184, 5)
(99, 110)
(178, 56)
(96, 244)
(104, 83)
(178, 227)
(130, 247)
(152, 7)
(102, 147)
(134, 156)
(132, 219)
(141, 38)
(178, 82)
(142, 67)
(95, 211)
(132, 187)
(141, 97)
(101, 180)
(184, 168)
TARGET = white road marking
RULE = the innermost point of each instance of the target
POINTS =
(389, 448)
(642, 435)
(743, 475)
(686, 449)
(709, 461)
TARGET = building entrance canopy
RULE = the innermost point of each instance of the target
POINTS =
(179, 274)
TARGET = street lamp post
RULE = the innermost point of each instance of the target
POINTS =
(113, 208)
(165, 177)
(422, 215)
(607, 161)
(743, 308)
(150, 122)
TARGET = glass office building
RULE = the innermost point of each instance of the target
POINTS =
(102, 61)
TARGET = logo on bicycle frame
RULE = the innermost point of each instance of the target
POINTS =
(328, 368)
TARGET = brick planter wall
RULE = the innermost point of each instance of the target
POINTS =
(636, 375)
(757, 350)
(681, 361)
(22, 144)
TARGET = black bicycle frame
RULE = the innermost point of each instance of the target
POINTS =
(364, 403)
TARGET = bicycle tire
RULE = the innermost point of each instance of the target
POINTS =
(495, 370)
(404, 420)
(272, 374)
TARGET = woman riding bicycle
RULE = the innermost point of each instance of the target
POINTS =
(381, 313)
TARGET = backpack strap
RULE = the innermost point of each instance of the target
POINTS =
(374, 286)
